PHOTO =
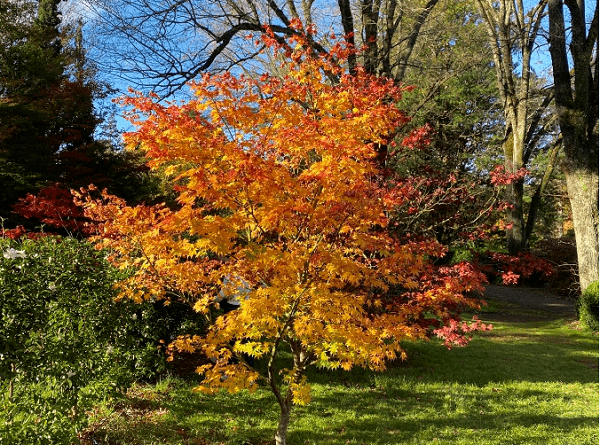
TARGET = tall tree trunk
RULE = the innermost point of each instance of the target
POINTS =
(348, 26)
(370, 17)
(582, 186)
(516, 239)
(576, 93)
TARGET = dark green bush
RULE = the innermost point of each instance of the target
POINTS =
(587, 308)
(65, 342)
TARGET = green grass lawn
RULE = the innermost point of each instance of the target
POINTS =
(522, 383)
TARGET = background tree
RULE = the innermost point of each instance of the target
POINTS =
(576, 89)
(282, 203)
(49, 121)
(455, 96)
(31, 73)
(46, 112)
(171, 43)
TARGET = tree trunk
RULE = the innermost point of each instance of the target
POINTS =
(576, 92)
(284, 421)
(348, 26)
(513, 155)
(582, 185)
(515, 236)
(536, 200)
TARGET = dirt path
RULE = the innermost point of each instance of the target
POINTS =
(522, 304)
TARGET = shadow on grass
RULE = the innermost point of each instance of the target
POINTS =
(535, 352)
(242, 418)
(392, 423)
(178, 415)
(520, 384)
(534, 383)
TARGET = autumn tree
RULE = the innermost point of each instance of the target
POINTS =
(440, 46)
(282, 205)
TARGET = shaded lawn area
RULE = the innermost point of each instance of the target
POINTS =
(522, 383)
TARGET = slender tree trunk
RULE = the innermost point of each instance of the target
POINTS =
(536, 200)
(515, 236)
(284, 421)
(285, 402)
(348, 26)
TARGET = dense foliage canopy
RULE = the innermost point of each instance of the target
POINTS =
(284, 209)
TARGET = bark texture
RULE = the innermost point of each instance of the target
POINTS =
(576, 90)
(282, 427)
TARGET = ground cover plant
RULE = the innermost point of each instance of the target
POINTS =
(526, 382)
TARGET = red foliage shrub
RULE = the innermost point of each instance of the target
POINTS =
(54, 207)
(525, 268)
(455, 333)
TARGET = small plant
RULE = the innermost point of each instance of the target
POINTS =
(587, 307)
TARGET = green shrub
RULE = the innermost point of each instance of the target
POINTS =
(587, 307)
(460, 254)
(65, 343)
(38, 413)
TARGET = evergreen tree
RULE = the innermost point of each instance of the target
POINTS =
(48, 120)
(32, 77)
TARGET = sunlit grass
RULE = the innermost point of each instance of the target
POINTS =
(522, 383)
